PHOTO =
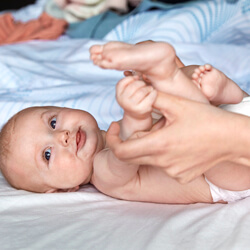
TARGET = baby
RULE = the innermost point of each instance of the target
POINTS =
(52, 149)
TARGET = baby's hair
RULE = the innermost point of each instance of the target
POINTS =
(5, 146)
(8, 164)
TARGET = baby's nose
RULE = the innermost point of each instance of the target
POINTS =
(63, 137)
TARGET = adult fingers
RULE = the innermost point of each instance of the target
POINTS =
(169, 104)
(132, 148)
(173, 107)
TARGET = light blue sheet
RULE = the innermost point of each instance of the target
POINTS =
(56, 73)
(60, 72)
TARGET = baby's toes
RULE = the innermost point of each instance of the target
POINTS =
(96, 59)
(95, 56)
(196, 79)
(197, 71)
(202, 68)
(208, 67)
(195, 76)
(96, 49)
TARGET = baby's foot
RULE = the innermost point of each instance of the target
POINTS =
(143, 57)
(216, 86)
(154, 60)
(104, 55)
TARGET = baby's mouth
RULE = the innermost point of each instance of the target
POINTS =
(80, 139)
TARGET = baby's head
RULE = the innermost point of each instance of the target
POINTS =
(49, 149)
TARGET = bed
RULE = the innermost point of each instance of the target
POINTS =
(60, 73)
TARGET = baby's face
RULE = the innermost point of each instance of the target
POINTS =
(55, 146)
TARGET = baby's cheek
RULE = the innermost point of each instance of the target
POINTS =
(68, 161)
(68, 169)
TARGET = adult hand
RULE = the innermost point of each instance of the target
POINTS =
(192, 138)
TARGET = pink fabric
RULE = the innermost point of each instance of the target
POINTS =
(45, 27)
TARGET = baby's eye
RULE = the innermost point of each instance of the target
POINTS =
(47, 154)
(53, 123)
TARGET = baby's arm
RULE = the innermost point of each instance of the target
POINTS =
(112, 176)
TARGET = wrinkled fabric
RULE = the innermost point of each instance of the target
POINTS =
(45, 28)
(79, 10)
(99, 26)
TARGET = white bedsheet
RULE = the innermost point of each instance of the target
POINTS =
(60, 73)
(90, 220)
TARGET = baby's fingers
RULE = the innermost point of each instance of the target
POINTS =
(142, 94)
(128, 86)
(145, 106)
(149, 100)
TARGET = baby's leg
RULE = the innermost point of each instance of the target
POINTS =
(156, 60)
(216, 86)
(229, 176)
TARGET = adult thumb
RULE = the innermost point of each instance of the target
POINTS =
(169, 105)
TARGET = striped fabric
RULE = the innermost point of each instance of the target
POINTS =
(211, 31)
(56, 73)
(210, 21)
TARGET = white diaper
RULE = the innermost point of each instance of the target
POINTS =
(241, 108)
(219, 194)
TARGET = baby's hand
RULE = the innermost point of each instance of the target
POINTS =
(135, 97)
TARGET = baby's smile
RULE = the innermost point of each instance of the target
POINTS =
(80, 139)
